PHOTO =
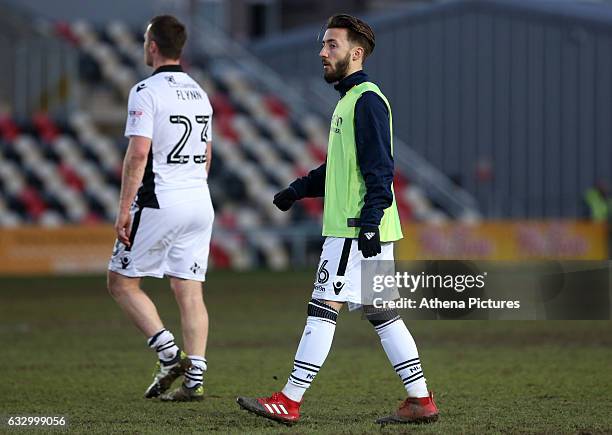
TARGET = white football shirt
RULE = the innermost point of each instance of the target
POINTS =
(173, 111)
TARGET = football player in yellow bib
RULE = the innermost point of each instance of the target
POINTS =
(360, 224)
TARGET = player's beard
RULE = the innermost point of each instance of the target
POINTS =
(337, 72)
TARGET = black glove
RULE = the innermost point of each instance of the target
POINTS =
(369, 241)
(285, 198)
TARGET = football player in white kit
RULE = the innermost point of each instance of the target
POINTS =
(165, 213)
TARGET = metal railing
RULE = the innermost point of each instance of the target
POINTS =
(42, 71)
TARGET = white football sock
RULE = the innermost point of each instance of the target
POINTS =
(403, 355)
(194, 375)
(313, 348)
(163, 343)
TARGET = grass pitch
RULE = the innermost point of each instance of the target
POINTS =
(67, 350)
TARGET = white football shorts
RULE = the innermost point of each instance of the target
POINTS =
(172, 241)
(339, 273)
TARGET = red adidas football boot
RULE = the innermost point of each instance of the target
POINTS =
(414, 410)
(277, 407)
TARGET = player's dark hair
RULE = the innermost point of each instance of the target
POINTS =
(359, 32)
(169, 34)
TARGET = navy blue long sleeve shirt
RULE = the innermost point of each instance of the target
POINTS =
(373, 143)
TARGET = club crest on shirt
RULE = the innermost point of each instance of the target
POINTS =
(196, 269)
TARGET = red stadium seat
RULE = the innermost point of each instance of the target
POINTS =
(70, 177)
(32, 201)
(64, 30)
(224, 125)
(46, 128)
(316, 152)
(313, 206)
(403, 207)
(220, 258)
(8, 128)
(226, 219)
(276, 107)
(222, 105)
(300, 171)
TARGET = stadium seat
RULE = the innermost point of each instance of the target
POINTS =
(56, 171)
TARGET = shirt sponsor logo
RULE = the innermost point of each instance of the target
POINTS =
(174, 84)
(134, 117)
(339, 282)
(125, 262)
(336, 123)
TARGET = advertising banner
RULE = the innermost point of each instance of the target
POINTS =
(505, 240)
(70, 249)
